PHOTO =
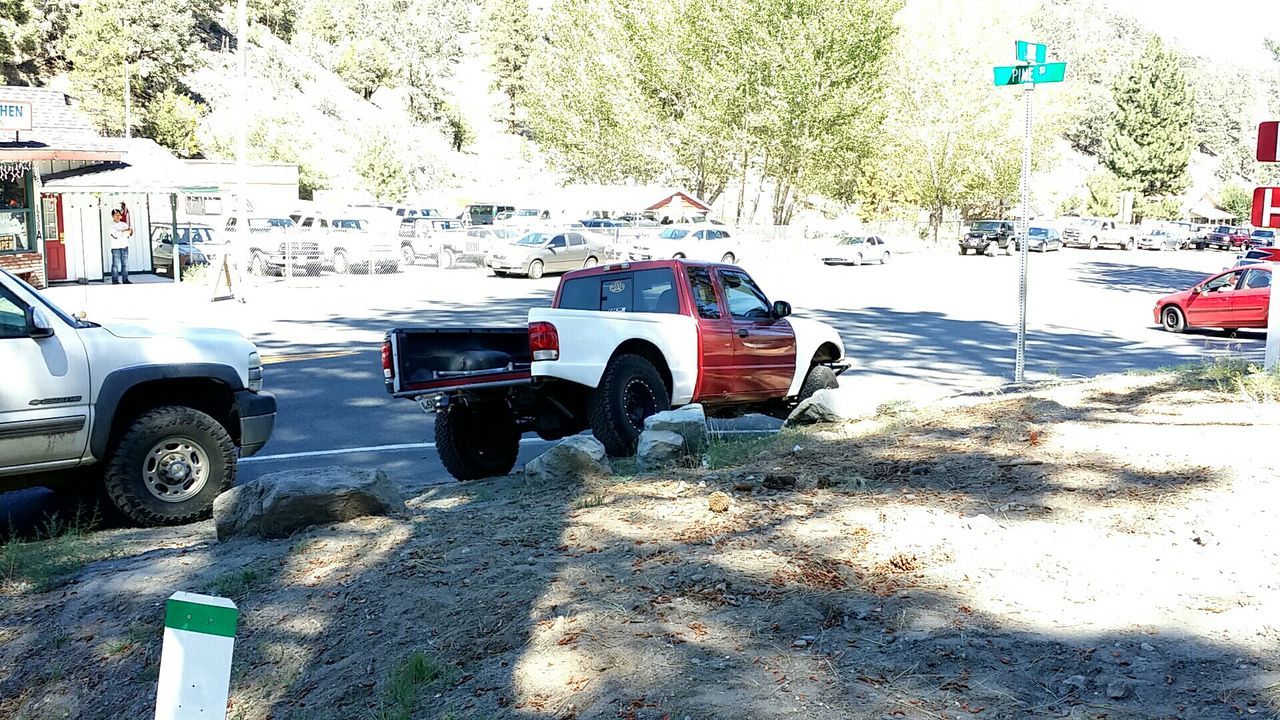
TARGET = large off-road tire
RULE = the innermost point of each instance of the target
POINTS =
(1173, 319)
(168, 466)
(963, 251)
(630, 391)
(820, 377)
(476, 444)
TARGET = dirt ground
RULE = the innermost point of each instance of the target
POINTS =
(1098, 550)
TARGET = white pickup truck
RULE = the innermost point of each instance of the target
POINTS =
(620, 343)
(156, 420)
(1093, 233)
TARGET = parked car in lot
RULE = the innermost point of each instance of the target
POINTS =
(1040, 239)
(359, 240)
(1189, 233)
(1256, 256)
(856, 250)
(156, 420)
(521, 216)
(692, 242)
(1236, 298)
(1093, 233)
(984, 237)
(542, 252)
(1262, 237)
(196, 247)
(1160, 238)
(619, 343)
(439, 241)
(483, 213)
(1225, 237)
(274, 246)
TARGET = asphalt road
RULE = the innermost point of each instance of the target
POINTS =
(923, 326)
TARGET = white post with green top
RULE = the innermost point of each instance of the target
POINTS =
(195, 661)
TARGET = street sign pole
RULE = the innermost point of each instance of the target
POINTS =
(1024, 221)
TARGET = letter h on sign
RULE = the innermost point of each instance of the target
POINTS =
(1266, 213)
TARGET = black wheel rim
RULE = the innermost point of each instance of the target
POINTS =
(1171, 318)
(638, 403)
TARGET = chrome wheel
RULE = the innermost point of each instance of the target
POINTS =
(175, 469)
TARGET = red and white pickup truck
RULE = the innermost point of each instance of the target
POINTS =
(620, 343)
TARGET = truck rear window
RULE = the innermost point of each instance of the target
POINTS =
(652, 291)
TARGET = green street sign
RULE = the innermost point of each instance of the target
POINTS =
(1030, 74)
(1029, 52)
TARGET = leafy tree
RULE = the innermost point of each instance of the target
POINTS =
(509, 37)
(173, 120)
(156, 37)
(1235, 200)
(1149, 142)
(1104, 190)
(278, 16)
(379, 164)
(703, 92)
(1159, 208)
(30, 34)
(365, 66)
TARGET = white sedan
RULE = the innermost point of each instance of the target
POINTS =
(856, 250)
(694, 242)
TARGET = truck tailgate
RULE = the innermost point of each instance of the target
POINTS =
(426, 360)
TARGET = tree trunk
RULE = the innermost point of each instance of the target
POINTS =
(742, 189)
(764, 172)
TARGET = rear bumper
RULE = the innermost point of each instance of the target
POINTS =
(257, 414)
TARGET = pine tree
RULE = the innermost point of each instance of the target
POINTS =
(1149, 141)
(509, 38)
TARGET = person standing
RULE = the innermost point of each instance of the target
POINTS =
(120, 234)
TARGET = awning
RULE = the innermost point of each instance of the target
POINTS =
(146, 168)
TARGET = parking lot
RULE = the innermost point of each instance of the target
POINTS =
(926, 324)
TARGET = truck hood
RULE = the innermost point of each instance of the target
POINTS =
(172, 330)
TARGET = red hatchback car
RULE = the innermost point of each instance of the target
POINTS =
(1237, 298)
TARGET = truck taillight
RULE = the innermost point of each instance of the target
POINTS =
(544, 341)
(388, 369)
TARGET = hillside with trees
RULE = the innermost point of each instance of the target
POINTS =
(767, 109)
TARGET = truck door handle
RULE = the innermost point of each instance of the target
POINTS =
(743, 332)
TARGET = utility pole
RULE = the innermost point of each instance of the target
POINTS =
(241, 236)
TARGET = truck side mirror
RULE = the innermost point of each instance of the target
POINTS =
(38, 325)
(781, 309)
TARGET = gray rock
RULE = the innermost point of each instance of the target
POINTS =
(827, 406)
(659, 449)
(689, 422)
(571, 459)
(1075, 684)
(279, 504)
(1119, 690)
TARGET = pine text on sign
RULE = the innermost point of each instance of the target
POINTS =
(1266, 207)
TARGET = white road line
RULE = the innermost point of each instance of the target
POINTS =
(429, 445)
(368, 449)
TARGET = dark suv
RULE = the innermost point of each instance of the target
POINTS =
(985, 236)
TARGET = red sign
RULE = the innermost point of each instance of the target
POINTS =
(1268, 135)
(1266, 207)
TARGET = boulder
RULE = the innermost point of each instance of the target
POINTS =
(280, 504)
(571, 459)
(718, 502)
(659, 449)
(827, 406)
(689, 422)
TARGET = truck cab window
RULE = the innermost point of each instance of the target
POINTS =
(13, 317)
(704, 294)
(744, 298)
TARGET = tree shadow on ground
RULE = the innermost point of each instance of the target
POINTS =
(1140, 278)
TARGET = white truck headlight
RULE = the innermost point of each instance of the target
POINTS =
(255, 371)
